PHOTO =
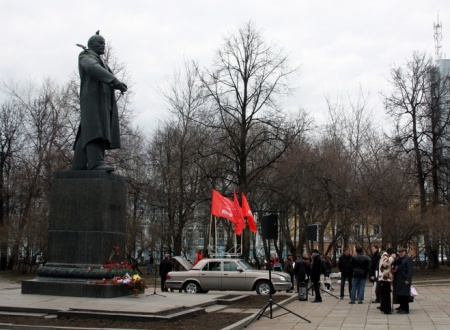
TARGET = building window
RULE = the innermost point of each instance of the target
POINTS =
(376, 230)
(358, 230)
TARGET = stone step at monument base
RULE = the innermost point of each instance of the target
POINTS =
(74, 288)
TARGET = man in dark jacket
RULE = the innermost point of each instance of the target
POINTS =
(346, 269)
(99, 124)
(164, 268)
(316, 271)
(373, 270)
(403, 268)
(289, 268)
(300, 271)
(360, 265)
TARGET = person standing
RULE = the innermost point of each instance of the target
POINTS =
(99, 117)
(360, 263)
(300, 272)
(346, 269)
(164, 268)
(151, 261)
(277, 266)
(373, 270)
(327, 272)
(289, 268)
(316, 271)
(385, 279)
(403, 271)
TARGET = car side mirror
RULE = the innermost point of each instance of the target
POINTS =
(239, 269)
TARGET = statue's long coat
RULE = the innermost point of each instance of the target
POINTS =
(99, 115)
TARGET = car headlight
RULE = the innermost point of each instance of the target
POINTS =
(282, 278)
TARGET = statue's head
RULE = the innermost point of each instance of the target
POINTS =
(96, 43)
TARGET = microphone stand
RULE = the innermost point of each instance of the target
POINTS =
(154, 291)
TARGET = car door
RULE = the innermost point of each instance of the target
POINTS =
(232, 279)
(210, 276)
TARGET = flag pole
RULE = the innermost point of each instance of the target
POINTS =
(215, 235)
(242, 241)
(209, 236)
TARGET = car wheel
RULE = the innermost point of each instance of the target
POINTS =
(192, 287)
(263, 287)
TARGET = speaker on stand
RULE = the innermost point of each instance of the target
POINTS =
(270, 227)
(270, 231)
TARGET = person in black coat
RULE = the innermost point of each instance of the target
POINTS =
(164, 268)
(346, 269)
(403, 268)
(373, 270)
(300, 272)
(316, 271)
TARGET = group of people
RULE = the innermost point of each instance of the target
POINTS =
(317, 268)
(389, 271)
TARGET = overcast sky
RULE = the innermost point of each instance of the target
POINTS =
(338, 45)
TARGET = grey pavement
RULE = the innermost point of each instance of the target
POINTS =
(430, 310)
(10, 295)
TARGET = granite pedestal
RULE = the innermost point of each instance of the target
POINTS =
(87, 218)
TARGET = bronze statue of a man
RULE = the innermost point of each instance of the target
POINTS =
(99, 124)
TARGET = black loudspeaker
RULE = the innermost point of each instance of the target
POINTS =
(270, 226)
(311, 233)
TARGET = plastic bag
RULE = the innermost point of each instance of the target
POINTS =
(413, 291)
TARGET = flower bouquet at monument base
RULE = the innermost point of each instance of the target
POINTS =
(137, 283)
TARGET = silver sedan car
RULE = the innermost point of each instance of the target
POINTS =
(227, 274)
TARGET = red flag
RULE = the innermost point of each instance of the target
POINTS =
(248, 214)
(221, 206)
(239, 223)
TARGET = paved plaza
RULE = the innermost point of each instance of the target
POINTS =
(430, 310)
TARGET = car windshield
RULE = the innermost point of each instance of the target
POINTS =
(244, 264)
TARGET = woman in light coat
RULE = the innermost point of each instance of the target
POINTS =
(385, 279)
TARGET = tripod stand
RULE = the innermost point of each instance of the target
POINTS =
(311, 287)
(271, 303)
(154, 291)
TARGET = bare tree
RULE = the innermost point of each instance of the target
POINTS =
(416, 128)
(175, 153)
(45, 148)
(246, 79)
(11, 130)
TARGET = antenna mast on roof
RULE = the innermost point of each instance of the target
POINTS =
(438, 39)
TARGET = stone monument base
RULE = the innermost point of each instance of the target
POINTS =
(86, 230)
(74, 288)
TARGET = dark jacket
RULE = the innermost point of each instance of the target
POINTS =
(360, 264)
(288, 267)
(374, 263)
(317, 268)
(165, 267)
(345, 265)
(403, 273)
(300, 270)
(99, 115)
